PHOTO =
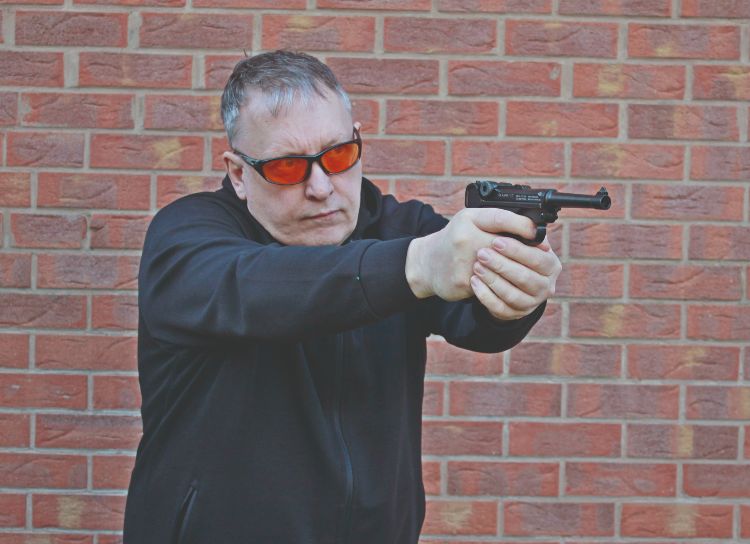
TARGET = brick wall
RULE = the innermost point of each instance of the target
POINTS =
(626, 414)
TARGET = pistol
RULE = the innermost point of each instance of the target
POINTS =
(539, 205)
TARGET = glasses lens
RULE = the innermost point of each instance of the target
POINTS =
(286, 170)
(339, 158)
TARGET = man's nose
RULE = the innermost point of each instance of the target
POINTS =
(318, 186)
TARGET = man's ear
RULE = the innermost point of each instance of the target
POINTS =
(358, 126)
(234, 167)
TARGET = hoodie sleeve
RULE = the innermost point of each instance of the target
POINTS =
(202, 279)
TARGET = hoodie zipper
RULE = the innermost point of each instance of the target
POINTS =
(344, 535)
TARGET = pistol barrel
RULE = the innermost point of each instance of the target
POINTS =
(600, 201)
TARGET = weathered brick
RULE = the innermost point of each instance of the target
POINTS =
(42, 311)
(92, 512)
(636, 8)
(39, 470)
(590, 280)
(503, 479)
(628, 161)
(112, 191)
(366, 112)
(146, 152)
(460, 518)
(718, 402)
(716, 8)
(686, 282)
(676, 520)
(721, 82)
(457, 437)
(531, 439)
(247, 4)
(623, 401)
(497, 6)
(118, 231)
(135, 70)
(12, 510)
(86, 352)
(393, 76)
(566, 39)
(314, 33)
(77, 110)
(411, 5)
(116, 393)
(431, 35)
(510, 158)
(579, 360)
(657, 362)
(94, 432)
(624, 320)
(196, 30)
(719, 243)
(413, 156)
(683, 122)
(432, 401)
(48, 231)
(684, 41)
(16, 433)
(88, 271)
(170, 188)
(8, 109)
(720, 163)
(114, 312)
(15, 270)
(556, 119)
(447, 197)
(31, 68)
(745, 521)
(444, 359)
(181, 112)
(449, 118)
(621, 479)
(628, 81)
(217, 70)
(504, 399)
(43, 391)
(112, 471)
(682, 441)
(499, 78)
(559, 519)
(36, 149)
(15, 189)
(717, 480)
(14, 350)
(696, 203)
(80, 29)
(719, 322)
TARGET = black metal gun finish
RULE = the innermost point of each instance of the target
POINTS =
(539, 205)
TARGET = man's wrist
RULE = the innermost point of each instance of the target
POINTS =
(414, 269)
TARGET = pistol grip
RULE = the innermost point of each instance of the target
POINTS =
(541, 232)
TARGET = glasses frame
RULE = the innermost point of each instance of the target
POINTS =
(257, 164)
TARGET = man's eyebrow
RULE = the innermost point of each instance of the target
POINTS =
(332, 141)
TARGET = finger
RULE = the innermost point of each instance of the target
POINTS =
(496, 306)
(495, 220)
(544, 262)
(521, 276)
(506, 291)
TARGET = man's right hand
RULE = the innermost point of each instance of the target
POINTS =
(442, 263)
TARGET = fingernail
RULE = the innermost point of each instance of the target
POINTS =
(483, 255)
(499, 244)
(479, 269)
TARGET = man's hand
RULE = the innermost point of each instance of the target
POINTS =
(511, 279)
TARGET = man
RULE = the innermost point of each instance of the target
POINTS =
(283, 322)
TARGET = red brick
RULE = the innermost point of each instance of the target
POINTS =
(718, 402)
(497, 6)
(42, 311)
(393, 76)
(503, 479)
(15, 189)
(677, 520)
(620, 479)
(720, 163)
(444, 359)
(112, 471)
(684, 41)
(82, 352)
(118, 231)
(564, 439)
(682, 441)
(16, 434)
(116, 393)
(628, 81)
(685, 282)
(716, 8)
(559, 519)
(683, 122)
(34, 470)
(88, 271)
(590, 280)
(52, 231)
(45, 149)
(498, 78)
(643, 8)
(14, 350)
(628, 161)
(366, 112)
(45, 538)
(135, 70)
(511, 158)
(550, 325)
(246, 4)
(149, 3)
(745, 523)
(457, 437)
(461, 518)
(77, 110)
(555, 119)
(196, 30)
(657, 362)
(447, 197)
(411, 5)
(505, 399)
(218, 69)
(93, 512)
(623, 401)
(688, 203)
(430, 35)
(542, 359)
(624, 320)
(431, 477)
(170, 188)
(80, 29)
(111, 191)
(114, 312)
(449, 118)
(15, 270)
(721, 82)
(717, 480)
(404, 156)
(12, 510)
(218, 146)
(313, 33)
(43, 391)
(8, 108)
(432, 403)
(87, 431)
(147, 152)
(563, 39)
(26, 68)
(180, 112)
(110, 539)
(719, 243)
(719, 323)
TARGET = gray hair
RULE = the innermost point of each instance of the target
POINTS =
(282, 77)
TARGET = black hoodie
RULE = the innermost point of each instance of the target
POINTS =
(282, 385)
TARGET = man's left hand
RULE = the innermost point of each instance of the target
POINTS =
(511, 279)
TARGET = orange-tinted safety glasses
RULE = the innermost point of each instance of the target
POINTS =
(293, 169)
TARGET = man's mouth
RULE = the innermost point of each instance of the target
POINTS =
(323, 215)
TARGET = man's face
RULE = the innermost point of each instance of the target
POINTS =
(321, 210)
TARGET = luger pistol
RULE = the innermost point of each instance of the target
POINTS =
(539, 205)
